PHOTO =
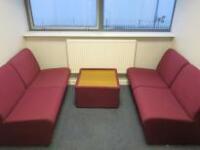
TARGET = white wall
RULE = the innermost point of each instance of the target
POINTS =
(150, 51)
(186, 27)
(12, 27)
(51, 52)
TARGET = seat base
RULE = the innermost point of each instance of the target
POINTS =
(57, 77)
(163, 119)
(139, 77)
(33, 119)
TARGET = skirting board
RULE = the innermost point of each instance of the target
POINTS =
(122, 81)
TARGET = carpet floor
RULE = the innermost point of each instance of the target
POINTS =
(100, 129)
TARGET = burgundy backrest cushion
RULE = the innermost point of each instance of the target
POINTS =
(11, 89)
(170, 65)
(26, 65)
(186, 89)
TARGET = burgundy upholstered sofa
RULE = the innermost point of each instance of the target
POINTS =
(168, 100)
(30, 100)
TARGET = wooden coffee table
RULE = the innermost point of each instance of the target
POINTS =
(97, 88)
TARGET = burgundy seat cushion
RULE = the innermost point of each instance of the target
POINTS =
(33, 118)
(52, 78)
(164, 120)
(170, 65)
(38, 104)
(155, 103)
(26, 66)
(144, 77)
(186, 88)
(11, 90)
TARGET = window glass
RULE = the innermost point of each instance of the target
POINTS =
(138, 14)
(64, 13)
(117, 15)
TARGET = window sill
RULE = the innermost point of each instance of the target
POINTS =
(99, 34)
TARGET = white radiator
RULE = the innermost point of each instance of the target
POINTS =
(101, 53)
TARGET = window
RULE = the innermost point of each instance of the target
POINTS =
(109, 15)
(138, 14)
(63, 14)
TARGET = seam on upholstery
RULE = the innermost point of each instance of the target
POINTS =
(46, 87)
(26, 86)
(20, 97)
(68, 74)
(11, 110)
(17, 101)
(18, 74)
(184, 109)
(151, 87)
(163, 79)
(34, 78)
(185, 65)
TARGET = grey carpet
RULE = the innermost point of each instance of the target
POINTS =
(100, 129)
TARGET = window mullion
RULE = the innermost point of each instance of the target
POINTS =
(156, 13)
(100, 14)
